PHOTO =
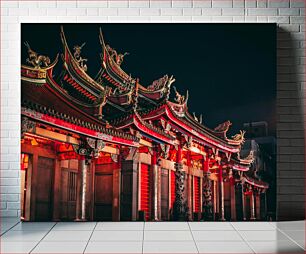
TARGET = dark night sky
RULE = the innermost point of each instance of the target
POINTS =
(229, 69)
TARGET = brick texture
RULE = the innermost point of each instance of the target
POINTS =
(288, 14)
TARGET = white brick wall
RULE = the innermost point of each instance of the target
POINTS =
(289, 14)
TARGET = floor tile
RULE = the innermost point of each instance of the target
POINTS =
(274, 235)
(166, 226)
(290, 225)
(33, 226)
(120, 226)
(211, 225)
(17, 247)
(223, 247)
(5, 226)
(107, 236)
(169, 247)
(249, 225)
(60, 247)
(23, 236)
(69, 236)
(276, 247)
(168, 236)
(297, 236)
(216, 236)
(114, 247)
(69, 226)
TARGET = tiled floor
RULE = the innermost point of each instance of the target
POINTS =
(152, 237)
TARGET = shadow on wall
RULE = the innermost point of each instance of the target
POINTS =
(290, 130)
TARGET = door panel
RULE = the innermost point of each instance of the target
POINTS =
(103, 196)
(43, 206)
(68, 194)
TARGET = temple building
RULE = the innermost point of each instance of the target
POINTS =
(111, 149)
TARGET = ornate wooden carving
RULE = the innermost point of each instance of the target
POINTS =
(165, 148)
(207, 198)
(27, 125)
(37, 61)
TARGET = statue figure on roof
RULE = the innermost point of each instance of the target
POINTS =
(103, 99)
(118, 58)
(250, 157)
(223, 127)
(196, 118)
(180, 99)
(77, 55)
(36, 60)
(239, 137)
(159, 83)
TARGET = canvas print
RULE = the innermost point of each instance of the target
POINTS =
(148, 122)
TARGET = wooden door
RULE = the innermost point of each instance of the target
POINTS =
(68, 194)
(164, 195)
(44, 192)
(238, 199)
(103, 196)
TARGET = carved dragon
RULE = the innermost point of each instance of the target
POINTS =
(103, 99)
(117, 57)
(36, 60)
(239, 137)
(180, 99)
(77, 55)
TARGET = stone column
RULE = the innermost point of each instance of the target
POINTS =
(253, 215)
(155, 171)
(257, 206)
(243, 202)
(221, 184)
(233, 196)
(207, 193)
(81, 208)
(180, 208)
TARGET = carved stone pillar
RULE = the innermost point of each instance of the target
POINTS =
(221, 184)
(207, 193)
(180, 208)
(207, 198)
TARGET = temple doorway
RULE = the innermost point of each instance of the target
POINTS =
(164, 194)
(69, 173)
(103, 197)
(44, 189)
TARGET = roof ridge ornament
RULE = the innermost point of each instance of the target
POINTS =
(239, 137)
(38, 61)
(200, 119)
(115, 56)
(77, 56)
(180, 99)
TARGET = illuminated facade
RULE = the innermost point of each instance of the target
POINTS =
(111, 149)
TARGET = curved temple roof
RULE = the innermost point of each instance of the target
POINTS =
(115, 97)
